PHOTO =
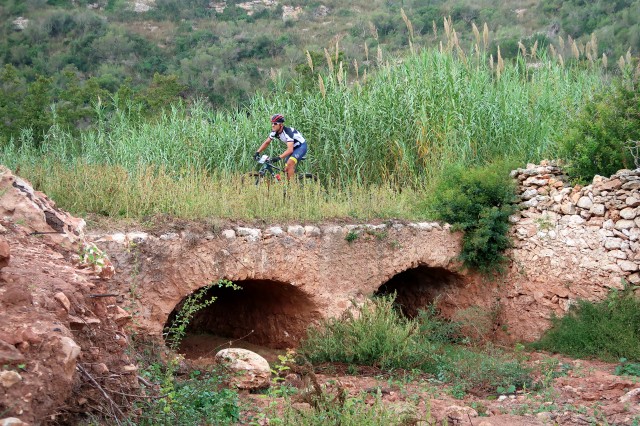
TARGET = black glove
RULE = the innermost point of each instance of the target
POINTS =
(274, 160)
(256, 156)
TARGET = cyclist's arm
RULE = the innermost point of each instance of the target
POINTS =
(288, 151)
(265, 144)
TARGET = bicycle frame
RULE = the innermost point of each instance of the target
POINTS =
(268, 168)
(268, 172)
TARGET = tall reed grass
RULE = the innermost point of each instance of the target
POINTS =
(398, 129)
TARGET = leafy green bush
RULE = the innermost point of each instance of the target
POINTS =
(373, 334)
(376, 334)
(479, 202)
(627, 368)
(608, 330)
(596, 141)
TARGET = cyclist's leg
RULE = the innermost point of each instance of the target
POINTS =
(293, 159)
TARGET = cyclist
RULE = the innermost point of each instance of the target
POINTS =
(296, 144)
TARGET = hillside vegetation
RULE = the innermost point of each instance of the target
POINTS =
(72, 53)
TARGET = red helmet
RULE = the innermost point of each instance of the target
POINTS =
(277, 118)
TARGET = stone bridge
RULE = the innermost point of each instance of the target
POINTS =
(570, 243)
(290, 277)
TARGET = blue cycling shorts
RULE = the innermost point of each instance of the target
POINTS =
(298, 152)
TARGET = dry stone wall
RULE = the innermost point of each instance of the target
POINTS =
(570, 243)
(597, 226)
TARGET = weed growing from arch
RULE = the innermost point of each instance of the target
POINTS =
(192, 304)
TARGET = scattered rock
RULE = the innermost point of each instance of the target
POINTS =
(5, 253)
(9, 378)
(63, 300)
(20, 23)
(631, 396)
(12, 421)
(250, 370)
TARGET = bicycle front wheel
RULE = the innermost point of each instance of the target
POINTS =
(251, 178)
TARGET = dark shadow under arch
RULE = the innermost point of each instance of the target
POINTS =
(263, 312)
(418, 287)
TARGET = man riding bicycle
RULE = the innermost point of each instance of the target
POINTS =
(296, 144)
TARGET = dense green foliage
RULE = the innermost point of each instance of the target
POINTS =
(479, 202)
(608, 330)
(616, 22)
(401, 126)
(598, 141)
(627, 368)
(376, 334)
(72, 53)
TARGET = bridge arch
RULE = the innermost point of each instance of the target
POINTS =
(419, 286)
(263, 312)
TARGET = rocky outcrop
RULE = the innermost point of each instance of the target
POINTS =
(20, 23)
(289, 13)
(141, 6)
(37, 213)
(51, 325)
(5, 252)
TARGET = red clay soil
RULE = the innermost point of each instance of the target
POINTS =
(586, 393)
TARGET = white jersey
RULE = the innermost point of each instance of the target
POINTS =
(289, 134)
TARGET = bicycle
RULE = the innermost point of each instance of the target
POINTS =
(269, 173)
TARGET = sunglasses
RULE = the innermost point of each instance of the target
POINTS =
(275, 124)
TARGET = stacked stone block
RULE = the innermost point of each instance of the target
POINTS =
(602, 218)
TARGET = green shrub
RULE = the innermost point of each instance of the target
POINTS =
(484, 371)
(596, 143)
(375, 334)
(199, 399)
(608, 330)
(372, 334)
(434, 328)
(627, 368)
(479, 202)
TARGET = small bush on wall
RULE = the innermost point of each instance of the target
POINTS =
(479, 202)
